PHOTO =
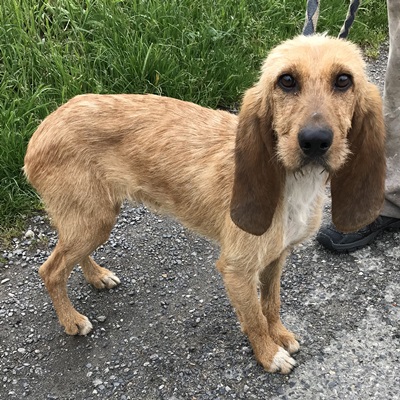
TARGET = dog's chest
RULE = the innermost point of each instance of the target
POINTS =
(302, 193)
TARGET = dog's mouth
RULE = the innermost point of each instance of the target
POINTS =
(320, 162)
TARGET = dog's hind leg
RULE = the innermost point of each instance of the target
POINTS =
(99, 277)
(55, 273)
(79, 236)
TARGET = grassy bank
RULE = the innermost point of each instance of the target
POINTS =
(206, 51)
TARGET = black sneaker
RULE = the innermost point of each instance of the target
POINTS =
(340, 242)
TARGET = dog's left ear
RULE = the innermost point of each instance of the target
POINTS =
(258, 181)
(358, 187)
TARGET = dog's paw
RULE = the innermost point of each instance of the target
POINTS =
(272, 357)
(284, 338)
(78, 325)
(102, 278)
(292, 346)
(108, 280)
(282, 362)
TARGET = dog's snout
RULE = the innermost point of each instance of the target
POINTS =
(315, 141)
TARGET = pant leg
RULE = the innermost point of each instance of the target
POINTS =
(391, 100)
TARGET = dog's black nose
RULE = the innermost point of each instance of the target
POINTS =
(315, 141)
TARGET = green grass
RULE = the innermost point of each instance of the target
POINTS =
(206, 51)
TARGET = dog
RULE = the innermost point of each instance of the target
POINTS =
(255, 183)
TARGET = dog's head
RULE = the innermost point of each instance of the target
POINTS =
(312, 105)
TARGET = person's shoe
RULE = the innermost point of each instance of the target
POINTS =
(337, 241)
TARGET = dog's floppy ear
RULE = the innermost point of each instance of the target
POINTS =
(358, 187)
(258, 180)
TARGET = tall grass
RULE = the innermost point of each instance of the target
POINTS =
(206, 51)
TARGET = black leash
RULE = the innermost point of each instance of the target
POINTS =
(312, 14)
(351, 15)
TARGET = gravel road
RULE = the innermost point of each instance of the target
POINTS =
(169, 332)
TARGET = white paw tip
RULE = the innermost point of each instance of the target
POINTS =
(110, 281)
(85, 328)
(293, 347)
(282, 362)
(115, 279)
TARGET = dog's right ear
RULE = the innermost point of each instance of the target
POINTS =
(259, 179)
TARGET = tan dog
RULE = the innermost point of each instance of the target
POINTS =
(255, 183)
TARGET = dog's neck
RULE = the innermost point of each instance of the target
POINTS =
(303, 192)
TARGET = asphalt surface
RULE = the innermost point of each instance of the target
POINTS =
(169, 332)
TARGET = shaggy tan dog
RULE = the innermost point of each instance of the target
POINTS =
(254, 183)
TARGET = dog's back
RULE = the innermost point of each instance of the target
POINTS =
(102, 149)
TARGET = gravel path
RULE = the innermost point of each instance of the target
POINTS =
(169, 332)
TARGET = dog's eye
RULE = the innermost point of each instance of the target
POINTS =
(343, 82)
(287, 82)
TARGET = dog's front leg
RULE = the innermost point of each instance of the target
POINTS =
(241, 286)
(270, 278)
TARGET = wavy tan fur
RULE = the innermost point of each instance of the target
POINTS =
(242, 181)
